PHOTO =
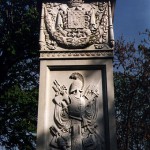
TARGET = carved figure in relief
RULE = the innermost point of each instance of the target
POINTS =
(75, 116)
(75, 24)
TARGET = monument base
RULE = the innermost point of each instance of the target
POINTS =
(92, 99)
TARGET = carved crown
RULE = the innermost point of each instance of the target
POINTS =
(75, 2)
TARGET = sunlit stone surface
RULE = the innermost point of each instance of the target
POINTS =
(76, 94)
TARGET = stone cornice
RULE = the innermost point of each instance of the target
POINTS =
(76, 55)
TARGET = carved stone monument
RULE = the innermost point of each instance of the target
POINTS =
(76, 95)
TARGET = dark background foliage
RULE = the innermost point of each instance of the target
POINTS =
(132, 93)
(19, 68)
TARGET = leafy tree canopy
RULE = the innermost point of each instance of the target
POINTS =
(132, 93)
(19, 26)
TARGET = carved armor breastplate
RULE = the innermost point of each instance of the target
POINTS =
(76, 108)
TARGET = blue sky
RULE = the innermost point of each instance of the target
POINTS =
(131, 17)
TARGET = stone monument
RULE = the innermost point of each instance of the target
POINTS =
(76, 94)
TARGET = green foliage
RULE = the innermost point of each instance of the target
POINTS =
(19, 26)
(18, 111)
(132, 92)
(18, 106)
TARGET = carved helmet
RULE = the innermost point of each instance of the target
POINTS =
(78, 82)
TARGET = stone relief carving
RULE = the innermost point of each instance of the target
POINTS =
(75, 25)
(75, 116)
(83, 54)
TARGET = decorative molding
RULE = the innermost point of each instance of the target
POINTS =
(71, 55)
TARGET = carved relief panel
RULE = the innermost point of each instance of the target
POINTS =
(76, 90)
(76, 25)
(77, 111)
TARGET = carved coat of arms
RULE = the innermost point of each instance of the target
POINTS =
(74, 25)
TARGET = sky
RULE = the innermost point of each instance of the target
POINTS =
(131, 17)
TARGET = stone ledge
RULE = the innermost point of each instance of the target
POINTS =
(80, 54)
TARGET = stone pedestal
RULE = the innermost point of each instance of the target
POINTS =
(76, 95)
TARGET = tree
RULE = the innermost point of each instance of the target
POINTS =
(132, 92)
(19, 26)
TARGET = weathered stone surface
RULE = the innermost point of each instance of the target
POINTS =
(76, 54)
(76, 95)
(97, 95)
(76, 109)
(76, 25)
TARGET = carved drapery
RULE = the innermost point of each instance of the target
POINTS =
(76, 25)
